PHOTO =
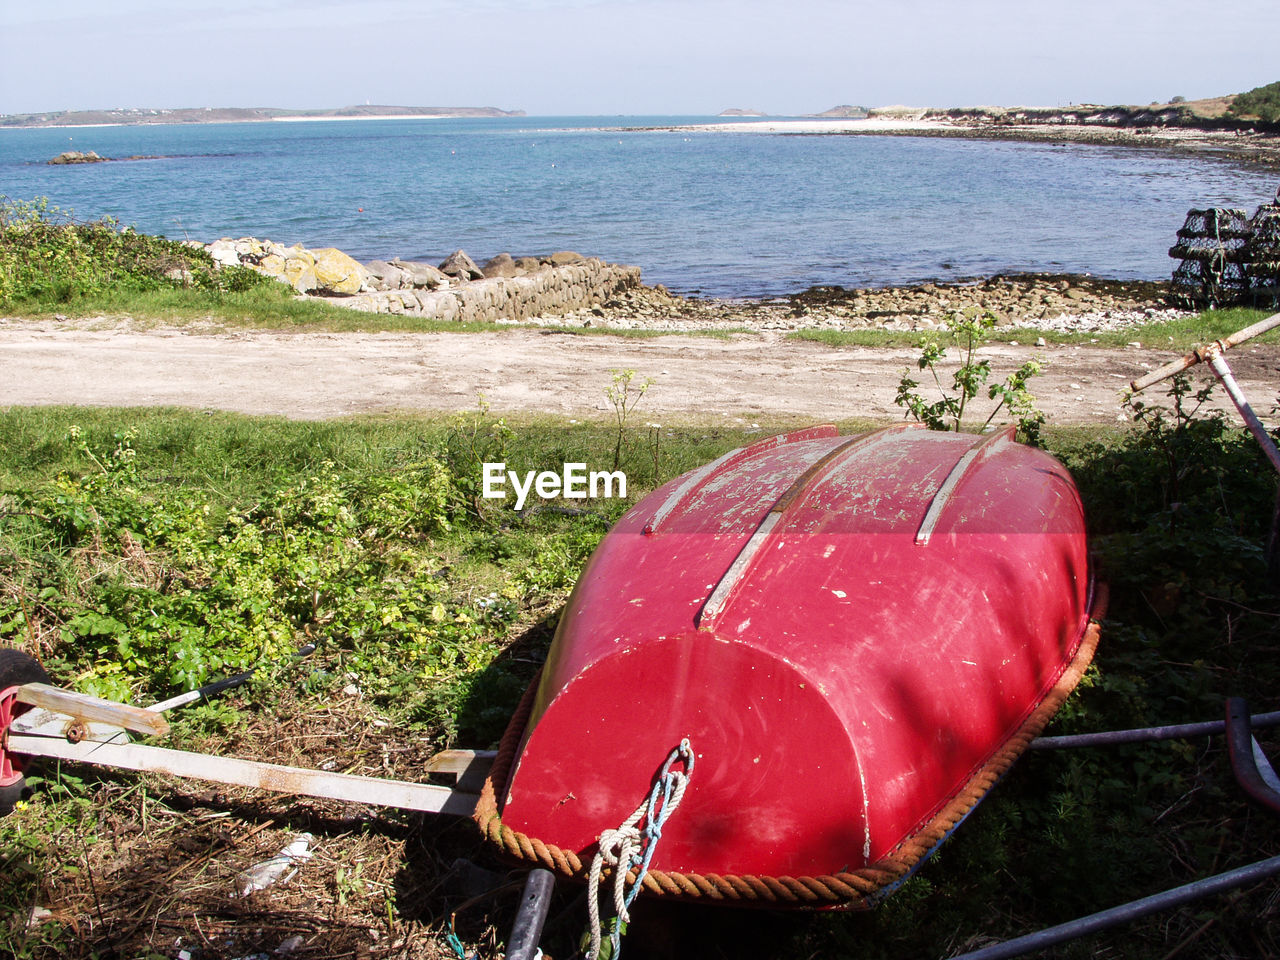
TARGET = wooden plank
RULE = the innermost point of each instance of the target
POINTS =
(84, 707)
(471, 767)
(250, 773)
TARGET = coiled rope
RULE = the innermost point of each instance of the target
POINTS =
(631, 848)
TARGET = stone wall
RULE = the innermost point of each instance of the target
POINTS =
(548, 291)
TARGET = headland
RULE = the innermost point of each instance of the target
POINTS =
(136, 116)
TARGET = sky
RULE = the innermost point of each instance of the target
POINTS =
(636, 57)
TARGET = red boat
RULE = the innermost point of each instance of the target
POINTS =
(857, 636)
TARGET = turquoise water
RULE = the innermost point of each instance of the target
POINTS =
(725, 214)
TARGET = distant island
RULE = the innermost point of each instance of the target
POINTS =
(141, 115)
(843, 112)
(738, 112)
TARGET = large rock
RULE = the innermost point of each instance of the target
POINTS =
(503, 265)
(75, 156)
(459, 265)
(421, 274)
(253, 249)
(563, 258)
(336, 272)
(299, 271)
(385, 276)
(224, 253)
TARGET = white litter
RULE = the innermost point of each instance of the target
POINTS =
(277, 869)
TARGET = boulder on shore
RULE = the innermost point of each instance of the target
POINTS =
(503, 265)
(336, 272)
(459, 265)
(421, 274)
(326, 270)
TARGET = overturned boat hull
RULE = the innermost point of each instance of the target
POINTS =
(857, 635)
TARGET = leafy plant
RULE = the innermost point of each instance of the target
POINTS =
(624, 393)
(473, 440)
(969, 330)
(48, 257)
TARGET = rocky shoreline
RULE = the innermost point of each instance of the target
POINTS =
(1243, 146)
(1060, 302)
(1170, 128)
(566, 289)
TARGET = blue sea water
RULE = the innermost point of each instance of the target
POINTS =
(722, 214)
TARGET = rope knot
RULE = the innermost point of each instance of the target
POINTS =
(631, 848)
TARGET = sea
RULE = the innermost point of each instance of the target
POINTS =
(723, 214)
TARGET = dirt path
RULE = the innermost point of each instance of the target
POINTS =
(322, 375)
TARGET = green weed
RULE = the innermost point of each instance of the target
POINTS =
(967, 380)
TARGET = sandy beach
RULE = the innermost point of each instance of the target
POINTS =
(832, 125)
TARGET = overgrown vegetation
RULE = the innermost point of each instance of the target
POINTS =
(1261, 102)
(46, 257)
(141, 552)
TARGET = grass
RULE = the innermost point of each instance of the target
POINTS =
(1183, 334)
(1178, 509)
(274, 307)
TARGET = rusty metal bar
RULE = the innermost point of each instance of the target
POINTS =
(1243, 750)
(250, 773)
(1196, 356)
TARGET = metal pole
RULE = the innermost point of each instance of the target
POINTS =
(1223, 373)
(535, 902)
(1147, 734)
(1104, 920)
(1244, 764)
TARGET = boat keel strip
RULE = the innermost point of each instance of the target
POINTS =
(724, 590)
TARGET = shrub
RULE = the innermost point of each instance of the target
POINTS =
(48, 257)
(1260, 102)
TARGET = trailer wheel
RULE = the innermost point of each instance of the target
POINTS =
(16, 668)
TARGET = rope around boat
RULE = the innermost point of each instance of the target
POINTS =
(858, 889)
